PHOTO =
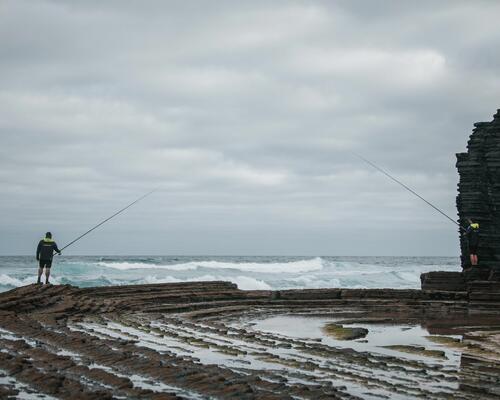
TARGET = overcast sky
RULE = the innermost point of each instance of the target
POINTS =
(244, 115)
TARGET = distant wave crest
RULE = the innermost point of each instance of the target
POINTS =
(243, 282)
(313, 264)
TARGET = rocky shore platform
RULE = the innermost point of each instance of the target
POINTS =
(210, 340)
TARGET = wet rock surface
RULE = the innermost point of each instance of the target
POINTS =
(443, 280)
(418, 350)
(209, 340)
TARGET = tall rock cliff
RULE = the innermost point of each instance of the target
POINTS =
(479, 191)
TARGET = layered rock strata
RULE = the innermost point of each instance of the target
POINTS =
(209, 340)
(479, 191)
(479, 199)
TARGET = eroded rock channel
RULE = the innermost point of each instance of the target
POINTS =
(209, 340)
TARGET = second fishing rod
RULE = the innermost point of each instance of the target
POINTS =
(408, 189)
(372, 164)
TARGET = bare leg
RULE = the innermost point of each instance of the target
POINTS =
(40, 270)
(472, 259)
(47, 275)
(475, 259)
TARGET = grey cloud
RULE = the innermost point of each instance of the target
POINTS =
(244, 115)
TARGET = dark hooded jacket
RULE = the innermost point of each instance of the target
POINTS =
(473, 234)
(45, 249)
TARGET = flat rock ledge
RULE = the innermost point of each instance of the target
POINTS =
(480, 283)
(202, 340)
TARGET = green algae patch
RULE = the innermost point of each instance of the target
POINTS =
(199, 343)
(446, 341)
(341, 332)
(417, 350)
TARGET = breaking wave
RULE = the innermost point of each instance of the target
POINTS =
(243, 282)
(314, 264)
(249, 273)
(12, 282)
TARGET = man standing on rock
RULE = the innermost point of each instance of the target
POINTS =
(473, 240)
(44, 254)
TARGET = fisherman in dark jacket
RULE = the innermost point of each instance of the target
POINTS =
(472, 234)
(44, 254)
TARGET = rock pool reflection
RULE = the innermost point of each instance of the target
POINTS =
(378, 338)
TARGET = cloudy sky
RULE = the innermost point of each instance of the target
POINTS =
(244, 115)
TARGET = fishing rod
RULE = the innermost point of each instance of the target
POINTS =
(407, 188)
(107, 219)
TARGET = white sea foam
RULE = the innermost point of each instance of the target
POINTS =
(7, 280)
(410, 277)
(248, 273)
(243, 282)
(247, 283)
(314, 264)
(124, 266)
(312, 282)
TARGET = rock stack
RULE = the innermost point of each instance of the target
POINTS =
(479, 199)
(479, 191)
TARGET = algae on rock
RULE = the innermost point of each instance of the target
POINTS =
(417, 350)
(340, 332)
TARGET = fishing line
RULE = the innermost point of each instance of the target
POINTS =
(407, 188)
(107, 219)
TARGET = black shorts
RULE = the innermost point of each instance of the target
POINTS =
(45, 263)
(473, 249)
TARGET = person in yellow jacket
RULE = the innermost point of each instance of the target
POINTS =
(472, 234)
(44, 254)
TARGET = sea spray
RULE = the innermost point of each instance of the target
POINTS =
(314, 264)
(259, 273)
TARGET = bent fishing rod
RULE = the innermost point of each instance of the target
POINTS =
(107, 219)
(407, 188)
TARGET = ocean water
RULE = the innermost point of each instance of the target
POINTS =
(247, 272)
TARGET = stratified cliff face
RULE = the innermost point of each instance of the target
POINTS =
(479, 190)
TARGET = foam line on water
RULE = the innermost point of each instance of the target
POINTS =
(314, 264)
(248, 273)
(9, 281)
(243, 282)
